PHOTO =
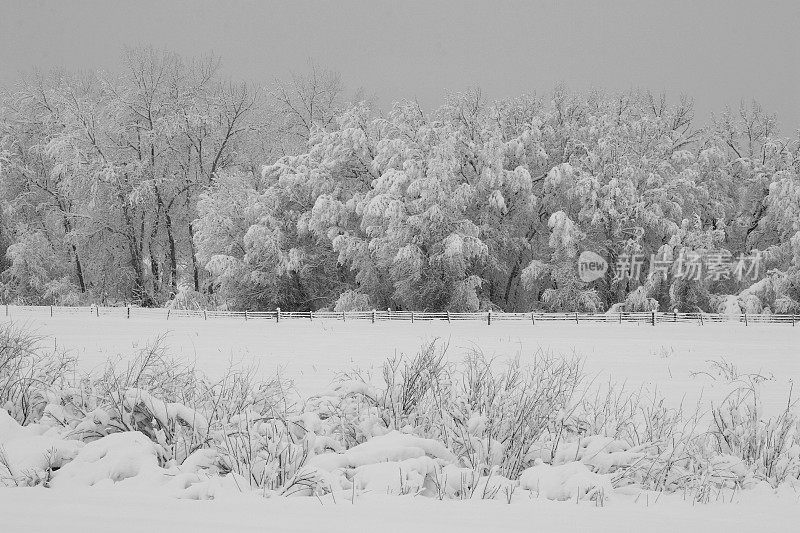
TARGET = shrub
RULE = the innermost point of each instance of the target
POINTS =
(352, 301)
(448, 429)
(28, 371)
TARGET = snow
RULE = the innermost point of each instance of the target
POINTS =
(10, 428)
(394, 479)
(601, 453)
(110, 459)
(393, 446)
(28, 458)
(166, 413)
(88, 510)
(565, 482)
(310, 353)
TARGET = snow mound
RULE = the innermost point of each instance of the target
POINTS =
(29, 460)
(393, 446)
(229, 486)
(167, 414)
(565, 482)
(111, 459)
(493, 487)
(9, 428)
(396, 477)
(601, 454)
(29, 454)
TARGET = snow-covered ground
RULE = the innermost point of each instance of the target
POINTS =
(44, 510)
(663, 357)
(668, 358)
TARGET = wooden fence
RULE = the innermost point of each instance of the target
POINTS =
(487, 317)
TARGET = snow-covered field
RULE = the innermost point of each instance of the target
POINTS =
(134, 493)
(44, 510)
(664, 357)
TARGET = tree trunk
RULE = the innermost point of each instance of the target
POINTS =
(195, 269)
(154, 264)
(139, 290)
(192, 254)
(511, 278)
(173, 258)
(154, 270)
(79, 269)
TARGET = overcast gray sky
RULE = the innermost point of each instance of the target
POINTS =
(718, 52)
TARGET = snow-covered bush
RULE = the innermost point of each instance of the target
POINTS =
(352, 301)
(487, 413)
(425, 426)
(38, 274)
(188, 299)
(769, 448)
(637, 301)
(28, 371)
(689, 296)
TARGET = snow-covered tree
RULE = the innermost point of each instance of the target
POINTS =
(108, 169)
(169, 184)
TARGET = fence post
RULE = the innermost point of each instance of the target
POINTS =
(533, 320)
(745, 319)
(97, 311)
(620, 317)
(168, 312)
(205, 314)
(489, 317)
(412, 317)
(373, 316)
(576, 318)
(245, 315)
(653, 317)
(311, 316)
(277, 314)
(701, 319)
(51, 310)
(448, 317)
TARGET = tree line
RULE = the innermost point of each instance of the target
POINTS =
(167, 184)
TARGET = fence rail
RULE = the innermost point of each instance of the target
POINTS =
(487, 317)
